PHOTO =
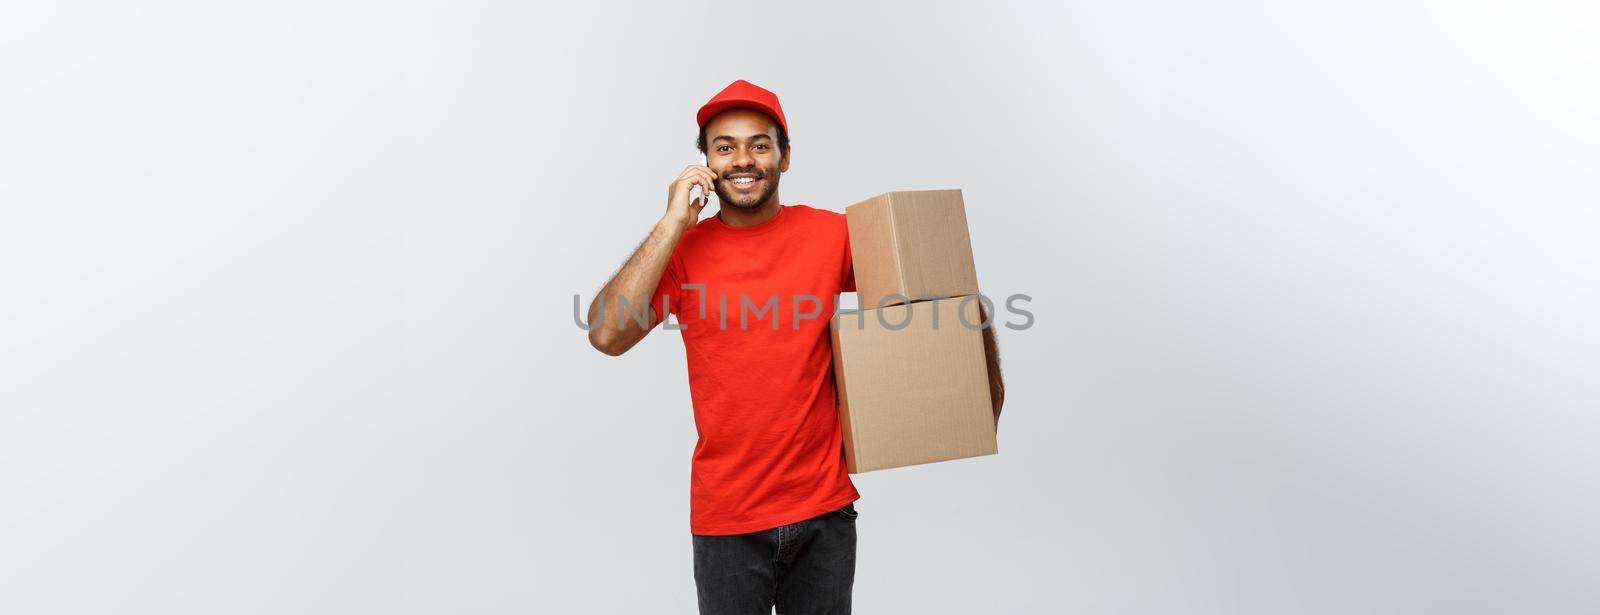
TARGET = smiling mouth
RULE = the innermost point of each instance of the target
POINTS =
(743, 183)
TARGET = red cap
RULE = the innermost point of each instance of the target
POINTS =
(742, 93)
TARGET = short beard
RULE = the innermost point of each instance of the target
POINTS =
(729, 200)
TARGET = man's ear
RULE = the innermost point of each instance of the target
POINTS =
(784, 167)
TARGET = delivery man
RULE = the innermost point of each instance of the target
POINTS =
(771, 512)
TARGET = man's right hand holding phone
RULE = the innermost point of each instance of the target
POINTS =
(682, 208)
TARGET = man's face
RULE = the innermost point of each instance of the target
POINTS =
(742, 147)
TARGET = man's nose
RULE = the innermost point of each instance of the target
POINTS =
(742, 159)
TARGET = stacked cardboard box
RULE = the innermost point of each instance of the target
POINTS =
(913, 382)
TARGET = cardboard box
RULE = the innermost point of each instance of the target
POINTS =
(916, 394)
(913, 244)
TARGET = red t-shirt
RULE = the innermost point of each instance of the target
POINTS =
(770, 450)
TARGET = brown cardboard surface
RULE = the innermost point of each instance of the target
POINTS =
(911, 243)
(913, 395)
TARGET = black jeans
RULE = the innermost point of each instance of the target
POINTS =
(804, 568)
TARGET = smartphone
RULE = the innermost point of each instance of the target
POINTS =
(703, 194)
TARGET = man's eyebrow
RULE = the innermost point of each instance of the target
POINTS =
(749, 138)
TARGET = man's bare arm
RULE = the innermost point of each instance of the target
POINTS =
(633, 284)
(638, 278)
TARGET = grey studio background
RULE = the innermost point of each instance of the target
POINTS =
(288, 301)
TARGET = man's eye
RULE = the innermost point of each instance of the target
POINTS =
(762, 146)
(723, 148)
